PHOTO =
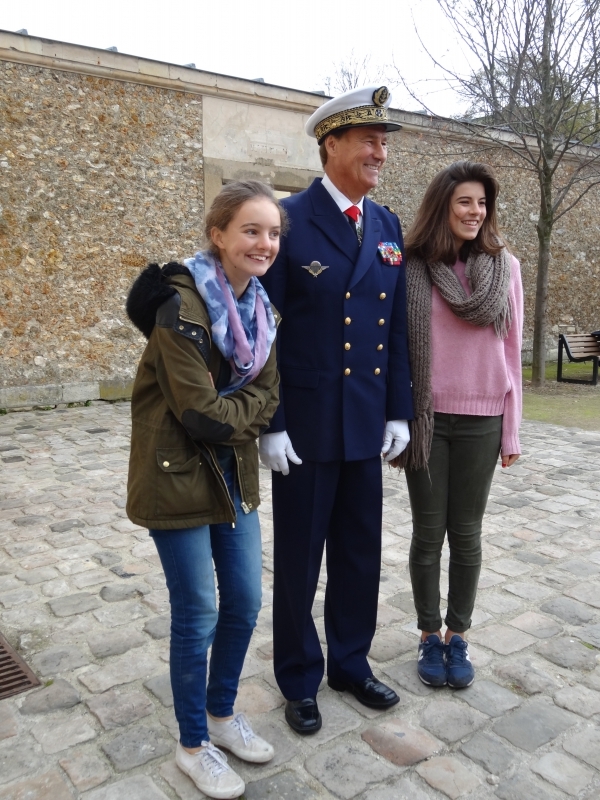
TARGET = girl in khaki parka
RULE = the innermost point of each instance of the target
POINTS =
(207, 384)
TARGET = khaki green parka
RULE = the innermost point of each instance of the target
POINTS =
(178, 416)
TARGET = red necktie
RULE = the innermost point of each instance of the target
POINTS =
(353, 212)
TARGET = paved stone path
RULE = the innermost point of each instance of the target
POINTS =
(82, 597)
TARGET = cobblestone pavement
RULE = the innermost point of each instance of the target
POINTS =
(82, 597)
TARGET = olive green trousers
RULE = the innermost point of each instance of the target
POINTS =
(451, 498)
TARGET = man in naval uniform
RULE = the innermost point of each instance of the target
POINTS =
(339, 284)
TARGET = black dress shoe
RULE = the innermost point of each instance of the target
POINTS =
(303, 715)
(370, 692)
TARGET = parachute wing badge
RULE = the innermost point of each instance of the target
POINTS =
(315, 268)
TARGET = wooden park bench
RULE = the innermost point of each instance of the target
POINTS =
(579, 347)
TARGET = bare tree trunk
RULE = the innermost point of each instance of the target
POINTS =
(546, 218)
(544, 231)
(596, 82)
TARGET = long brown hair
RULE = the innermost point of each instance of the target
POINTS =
(230, 199)
(430, 237)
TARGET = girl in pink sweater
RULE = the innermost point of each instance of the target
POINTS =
(465, 310)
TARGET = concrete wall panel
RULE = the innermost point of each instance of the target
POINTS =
(241, 132)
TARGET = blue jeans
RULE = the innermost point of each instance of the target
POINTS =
(187, 557)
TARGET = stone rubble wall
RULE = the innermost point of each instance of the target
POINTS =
(98, 177)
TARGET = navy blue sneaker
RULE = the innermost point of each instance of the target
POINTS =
(431, 666)
(458, 663)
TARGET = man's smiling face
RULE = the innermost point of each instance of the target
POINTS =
(354, 161)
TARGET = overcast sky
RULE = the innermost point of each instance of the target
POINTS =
(290, 44)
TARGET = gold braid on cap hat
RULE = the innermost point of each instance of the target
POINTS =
(361, 115)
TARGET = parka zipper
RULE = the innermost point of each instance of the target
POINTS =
(213, 461)
(245, 507)
(224, 486)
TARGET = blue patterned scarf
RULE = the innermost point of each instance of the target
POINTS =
(243, 329)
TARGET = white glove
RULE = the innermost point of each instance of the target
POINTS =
(274, 450)
(396, 438)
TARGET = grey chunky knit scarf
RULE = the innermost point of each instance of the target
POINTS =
(489, 304)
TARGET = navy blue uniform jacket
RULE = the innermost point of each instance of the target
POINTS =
(342, 344)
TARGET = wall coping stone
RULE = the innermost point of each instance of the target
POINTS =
(55, 394)
(50, 54)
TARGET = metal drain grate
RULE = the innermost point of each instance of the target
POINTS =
(15, 675)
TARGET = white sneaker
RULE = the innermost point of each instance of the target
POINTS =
(238, 737)
(209, 770)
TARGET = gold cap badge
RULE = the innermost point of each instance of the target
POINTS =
(358, 107)
(380, 96)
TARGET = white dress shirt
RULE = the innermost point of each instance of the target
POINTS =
(342, 201)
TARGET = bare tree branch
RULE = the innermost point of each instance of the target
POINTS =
(533, 90)
(355, 71)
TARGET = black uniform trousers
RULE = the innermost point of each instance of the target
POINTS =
(336, 504)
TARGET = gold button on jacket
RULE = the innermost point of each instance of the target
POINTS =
(347, 346)
(377, 371)
(347, 295)
(380, 347)
(166, 464)
(382, 296)
(347, 371)
(347, 320)
(382, 322)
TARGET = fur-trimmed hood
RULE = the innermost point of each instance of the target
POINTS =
(148, 292)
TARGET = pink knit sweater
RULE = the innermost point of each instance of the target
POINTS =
(472, 370)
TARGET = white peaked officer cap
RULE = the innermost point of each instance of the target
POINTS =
(353, 109)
